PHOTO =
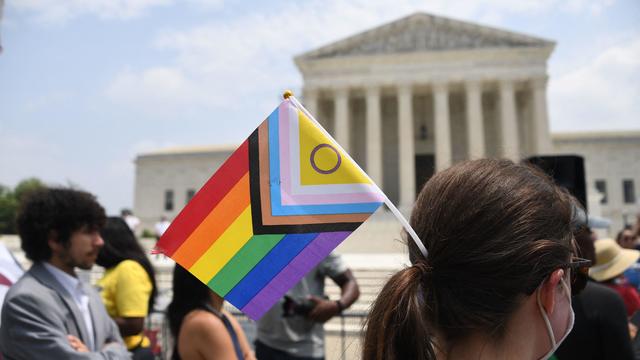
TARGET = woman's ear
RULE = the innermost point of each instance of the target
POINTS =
(548, 290)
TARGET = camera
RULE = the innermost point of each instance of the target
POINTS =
(296, 306)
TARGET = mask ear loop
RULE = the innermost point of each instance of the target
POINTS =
(546, 319)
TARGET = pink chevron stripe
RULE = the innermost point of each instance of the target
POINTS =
(306, 260)
(287, 197)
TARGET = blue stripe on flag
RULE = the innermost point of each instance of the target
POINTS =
(355, 208)
(276, 260)
(274, 157)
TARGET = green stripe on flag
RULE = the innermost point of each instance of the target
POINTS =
(242, 262)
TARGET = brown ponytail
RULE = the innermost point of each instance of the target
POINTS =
(399, 329)
(494, 231)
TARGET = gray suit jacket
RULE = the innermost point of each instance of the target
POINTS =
(38, 314)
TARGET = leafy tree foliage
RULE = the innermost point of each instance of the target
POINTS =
(9, 200)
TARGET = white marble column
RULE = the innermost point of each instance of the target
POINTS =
(374, 135)
(475, 120)
(310, 101)
(341, 125)
(406, 147)
(542, 137)
(509, 121)
(442, 126)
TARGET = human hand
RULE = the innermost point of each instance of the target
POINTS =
(633, 331)
(77, 344)
(323, 310)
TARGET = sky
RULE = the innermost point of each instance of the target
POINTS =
(85, 85)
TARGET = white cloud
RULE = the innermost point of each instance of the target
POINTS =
(60, 11)
(154, 87)
(251, 56)
(603, 94)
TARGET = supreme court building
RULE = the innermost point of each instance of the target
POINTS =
(405, 99)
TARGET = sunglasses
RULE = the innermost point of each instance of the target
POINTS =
(579, 274)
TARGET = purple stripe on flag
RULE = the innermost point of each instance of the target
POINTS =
(306, 260)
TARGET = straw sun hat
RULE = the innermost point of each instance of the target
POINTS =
(611, 260)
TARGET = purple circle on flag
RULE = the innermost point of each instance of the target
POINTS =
(313, 161)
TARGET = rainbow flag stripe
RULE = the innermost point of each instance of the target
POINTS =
(279, 205)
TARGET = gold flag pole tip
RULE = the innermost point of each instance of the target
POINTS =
(287, 94)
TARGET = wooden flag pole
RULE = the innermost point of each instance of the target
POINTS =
(288, 95)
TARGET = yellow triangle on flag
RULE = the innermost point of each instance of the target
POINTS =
(321, 161)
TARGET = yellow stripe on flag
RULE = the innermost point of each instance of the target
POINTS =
(227, 245)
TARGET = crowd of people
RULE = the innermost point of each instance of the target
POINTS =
(512, 271)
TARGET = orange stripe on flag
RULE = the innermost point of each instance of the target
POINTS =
(218, 220)
(205, 200)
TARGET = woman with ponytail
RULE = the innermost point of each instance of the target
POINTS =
(499, 274)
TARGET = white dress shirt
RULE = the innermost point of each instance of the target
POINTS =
(79, 295)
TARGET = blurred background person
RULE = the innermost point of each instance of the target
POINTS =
(10, 271)
(601, 329)
(627, 239)
(496, 283)
(161, 226)
(201, 328)
(128, 287)
(611, 262)
(130, 219)
(294, 327)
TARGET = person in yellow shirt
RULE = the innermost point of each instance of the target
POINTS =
(128, 287)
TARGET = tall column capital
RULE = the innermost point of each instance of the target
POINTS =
(506, 85)
(473, 85)
(372, 90)
(341, 92)
(404, 89)
(440, 86)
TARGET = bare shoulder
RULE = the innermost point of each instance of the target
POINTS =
(198, 321)
(204, 336)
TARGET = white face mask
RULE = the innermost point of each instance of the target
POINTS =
(554, 344)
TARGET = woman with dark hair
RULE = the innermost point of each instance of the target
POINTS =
(128, 287)
(499, 274)
(201, 328)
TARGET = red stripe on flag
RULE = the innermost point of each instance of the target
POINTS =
(4, 281)
(205, 200)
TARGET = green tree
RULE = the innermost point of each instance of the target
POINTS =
(26, 186)
(8, 208)
(9, 201)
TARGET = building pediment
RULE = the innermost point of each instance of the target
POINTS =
(422, 32)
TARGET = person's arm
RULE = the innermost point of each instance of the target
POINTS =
(349, 293)
(203, 335)
(33, 329)
(129, 326)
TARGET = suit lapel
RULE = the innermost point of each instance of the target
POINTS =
(47, 279)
